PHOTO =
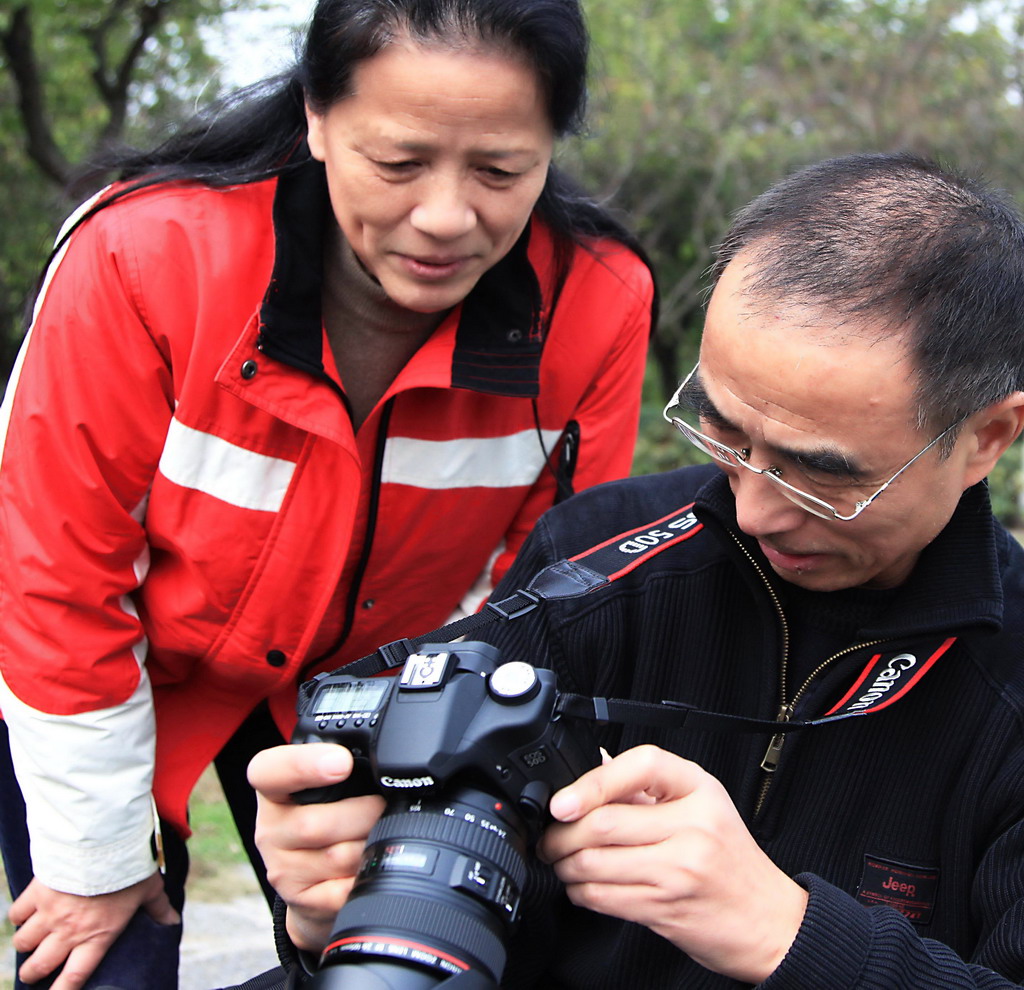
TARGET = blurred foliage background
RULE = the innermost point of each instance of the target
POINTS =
(696, 106)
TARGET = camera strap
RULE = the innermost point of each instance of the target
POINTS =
(568, 578)
(886, 679)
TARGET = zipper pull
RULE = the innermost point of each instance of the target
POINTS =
(774, 751)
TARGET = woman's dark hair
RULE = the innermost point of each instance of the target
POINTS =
(259, 131)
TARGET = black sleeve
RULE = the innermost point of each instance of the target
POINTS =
(846, 945)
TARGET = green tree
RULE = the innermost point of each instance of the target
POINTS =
(78, 77)
(701, 104)
(697, 106)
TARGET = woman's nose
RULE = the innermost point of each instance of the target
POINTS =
(443, 211)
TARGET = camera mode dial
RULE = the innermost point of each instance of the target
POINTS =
(514, 682)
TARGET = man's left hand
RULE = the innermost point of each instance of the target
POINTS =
(652, 838)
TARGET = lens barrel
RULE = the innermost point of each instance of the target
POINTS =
(436, 897)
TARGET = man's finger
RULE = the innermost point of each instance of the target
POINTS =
(643, 772)
(286, 827)
(625, 826)
(278, 772)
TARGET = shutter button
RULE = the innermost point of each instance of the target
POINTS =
(249, 369)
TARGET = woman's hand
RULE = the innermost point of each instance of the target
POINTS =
(76, 930)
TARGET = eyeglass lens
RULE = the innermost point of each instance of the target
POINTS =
(726, 455)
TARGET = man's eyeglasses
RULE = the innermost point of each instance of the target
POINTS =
(736, 458)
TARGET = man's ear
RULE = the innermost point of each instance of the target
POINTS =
(991, 431)
(315, 132)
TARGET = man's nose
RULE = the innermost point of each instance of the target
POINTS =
(444, 211)
(762, 508)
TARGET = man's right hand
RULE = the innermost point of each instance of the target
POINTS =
(312, 851)
(75, 930)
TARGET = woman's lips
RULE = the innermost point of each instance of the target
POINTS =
(433, 269)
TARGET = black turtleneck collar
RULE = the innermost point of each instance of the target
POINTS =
(955, 581)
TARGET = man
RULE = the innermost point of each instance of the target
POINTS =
(859, 377)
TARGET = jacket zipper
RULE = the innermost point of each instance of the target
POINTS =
(364, 555)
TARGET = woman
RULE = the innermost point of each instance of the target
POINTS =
(297, 386)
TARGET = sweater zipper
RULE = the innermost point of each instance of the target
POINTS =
(772, 756)
(770, 760)
(785, 712)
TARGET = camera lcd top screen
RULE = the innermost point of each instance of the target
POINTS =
(356, 696)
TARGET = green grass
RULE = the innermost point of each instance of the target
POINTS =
(219, 869)
(6, 933)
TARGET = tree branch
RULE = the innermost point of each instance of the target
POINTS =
(114, 82)
(19, 48)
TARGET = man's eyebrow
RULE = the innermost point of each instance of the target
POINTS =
(694, 398)
(827, 459)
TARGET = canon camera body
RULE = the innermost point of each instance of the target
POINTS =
(467, 751)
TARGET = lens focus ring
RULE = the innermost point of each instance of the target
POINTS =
(455, 833)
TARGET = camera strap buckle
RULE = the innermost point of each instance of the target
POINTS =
(519, 604)
(394, 654)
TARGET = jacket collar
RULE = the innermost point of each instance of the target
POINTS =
(955, 583)
(499, 340)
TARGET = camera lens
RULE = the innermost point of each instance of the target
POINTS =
(437, 894)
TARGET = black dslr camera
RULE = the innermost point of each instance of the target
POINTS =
(467, 751)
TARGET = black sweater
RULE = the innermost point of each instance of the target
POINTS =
(928, 793)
